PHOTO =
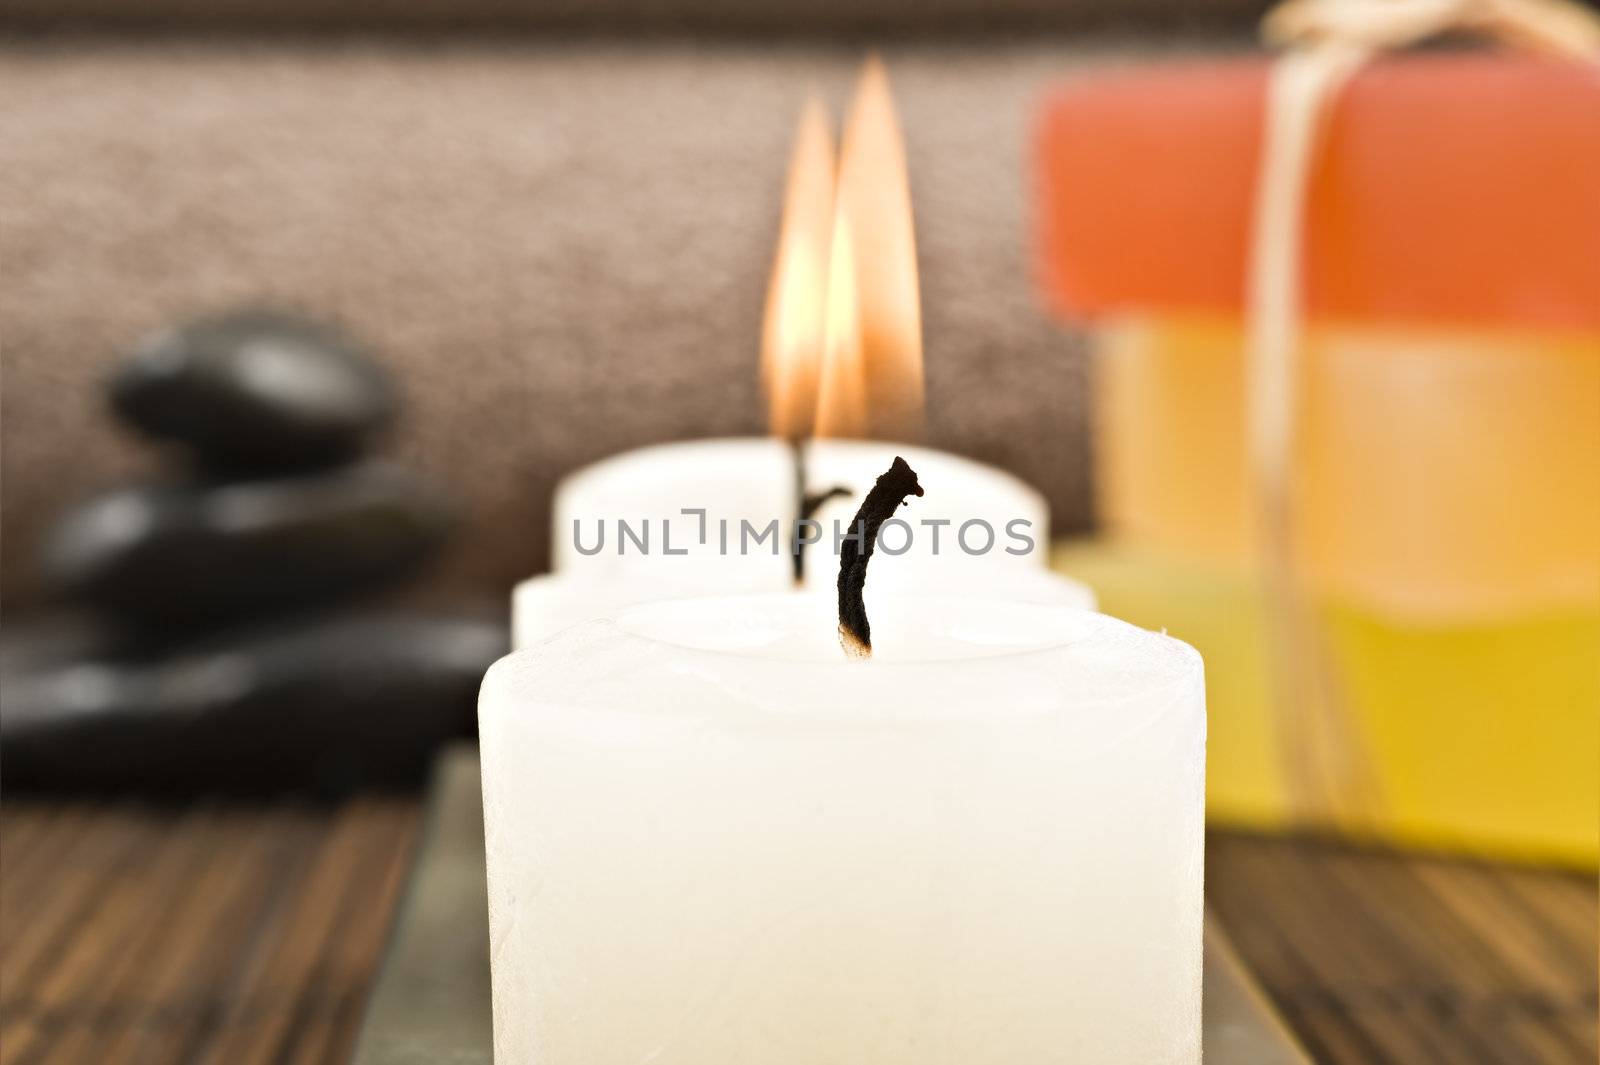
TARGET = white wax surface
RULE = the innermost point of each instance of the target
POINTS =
(754, 479)
(542, 606)
(713, 841)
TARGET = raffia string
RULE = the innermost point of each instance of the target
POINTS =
(1326, 41)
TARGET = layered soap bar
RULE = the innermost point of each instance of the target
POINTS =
(1439, 472)
(1445, 474)
(1453, 188)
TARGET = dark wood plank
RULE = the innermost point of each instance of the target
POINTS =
(132, 935)
(1379, 956)
(214, 933)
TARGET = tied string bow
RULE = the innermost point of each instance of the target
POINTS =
(1557, 27)
(1325, 42)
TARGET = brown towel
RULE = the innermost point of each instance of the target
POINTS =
(561, 249)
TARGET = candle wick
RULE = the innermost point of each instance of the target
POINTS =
(806, 504)
(890, 491)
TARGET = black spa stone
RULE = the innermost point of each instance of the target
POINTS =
(254, 390)
(328, 703)
(200, 552)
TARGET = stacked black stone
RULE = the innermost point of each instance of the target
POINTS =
(229, 655)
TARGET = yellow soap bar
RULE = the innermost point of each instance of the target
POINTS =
(1437, 473)
(1479, 735)
(1444, 531)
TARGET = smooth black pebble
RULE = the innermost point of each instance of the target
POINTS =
(193, 552)
(330, 703)
(254, 390)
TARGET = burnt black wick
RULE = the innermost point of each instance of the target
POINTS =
(806, 506)
(891, 490)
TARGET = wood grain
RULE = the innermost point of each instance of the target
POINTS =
(1376, 956)
(211, 934)
(231, 934)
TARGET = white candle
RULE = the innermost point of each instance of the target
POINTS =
(712, 841)
(1007, 523)
(752, 480)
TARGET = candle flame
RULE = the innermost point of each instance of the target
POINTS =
(875, 200)
(842, 340)
(792, 335)
(842, 391)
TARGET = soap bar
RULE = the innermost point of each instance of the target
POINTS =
(1481, 731)
(1412, 445)
(1459, 188)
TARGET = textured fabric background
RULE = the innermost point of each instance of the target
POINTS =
(612, 16)
(560, 248)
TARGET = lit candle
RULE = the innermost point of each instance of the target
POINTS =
(712, 839)
(736, 481)
(732, 501)
(841, 358)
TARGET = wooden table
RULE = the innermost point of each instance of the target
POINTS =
(225, 934)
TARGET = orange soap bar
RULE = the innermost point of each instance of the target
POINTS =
(1448, 188)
